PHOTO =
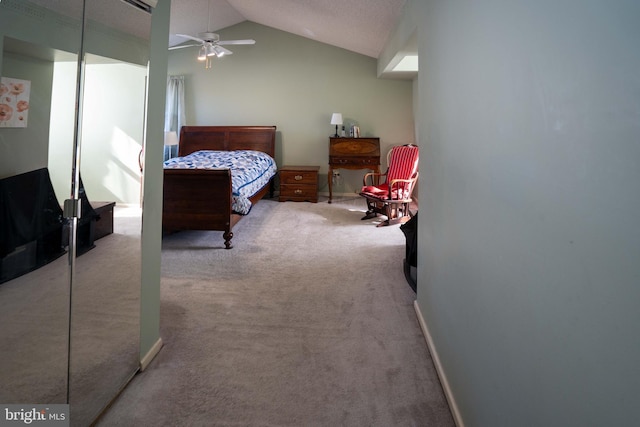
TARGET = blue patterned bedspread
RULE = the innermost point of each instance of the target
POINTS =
(250, 171)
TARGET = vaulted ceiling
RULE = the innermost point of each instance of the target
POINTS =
(360, 26)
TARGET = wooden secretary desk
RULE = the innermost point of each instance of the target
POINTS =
(352, 153)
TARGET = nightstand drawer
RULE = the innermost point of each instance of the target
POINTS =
(298, 193)
(298, 177)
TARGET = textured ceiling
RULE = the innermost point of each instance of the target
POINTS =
(113, 12)
(360, 26)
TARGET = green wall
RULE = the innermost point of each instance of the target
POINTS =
(150, 341)
(26, 149)
(46, 35)
(528, 266)
(65, 36)
(296, 84)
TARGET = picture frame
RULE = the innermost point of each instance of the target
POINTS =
(14, 102)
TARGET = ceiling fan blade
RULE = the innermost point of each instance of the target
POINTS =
(226, 51)
(186, 36)
(228, 42)
(183, 46)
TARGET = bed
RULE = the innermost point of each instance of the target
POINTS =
(195, 198)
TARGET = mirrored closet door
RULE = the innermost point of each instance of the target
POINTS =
(69, 288)
(35, 279)
(105, 299)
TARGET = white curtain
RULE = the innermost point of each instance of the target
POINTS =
(174, 115)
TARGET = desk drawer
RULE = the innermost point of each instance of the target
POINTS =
(336, 161)
(354, 147)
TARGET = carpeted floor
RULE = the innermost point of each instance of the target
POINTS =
(102, 338)
(307, 321)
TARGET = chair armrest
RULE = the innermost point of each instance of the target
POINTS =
(374, 176)
(395, 185)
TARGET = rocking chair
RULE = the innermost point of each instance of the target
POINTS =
(389, 193)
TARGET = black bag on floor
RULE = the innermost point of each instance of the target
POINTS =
(410, 230)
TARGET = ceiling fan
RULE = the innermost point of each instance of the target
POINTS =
(210, 43)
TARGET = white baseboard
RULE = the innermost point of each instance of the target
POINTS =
(120, 205)
(457, 418)
(348, 194)
(155, 349)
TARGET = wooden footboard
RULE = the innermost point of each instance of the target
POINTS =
(198, 199)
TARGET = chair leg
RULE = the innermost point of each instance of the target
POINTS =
(369, 215)
(388, 212)
(396, 214)
(371, 211)
(391, 212)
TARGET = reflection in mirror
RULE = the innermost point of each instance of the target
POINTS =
(105, 306)
(34, 269)
(70, 335)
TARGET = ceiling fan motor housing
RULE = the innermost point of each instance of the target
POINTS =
(209, 37)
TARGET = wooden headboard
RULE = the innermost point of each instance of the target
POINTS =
(227, 138)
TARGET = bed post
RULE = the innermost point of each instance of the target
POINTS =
(228, 235)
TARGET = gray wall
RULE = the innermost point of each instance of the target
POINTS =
(295, 83)
(528, 281)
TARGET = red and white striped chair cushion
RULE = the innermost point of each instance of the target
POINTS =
(403, 164)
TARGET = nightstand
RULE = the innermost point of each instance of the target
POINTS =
(299, 183)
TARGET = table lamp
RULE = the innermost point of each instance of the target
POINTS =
(336, 119)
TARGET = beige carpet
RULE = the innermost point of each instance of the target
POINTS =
(307, 321)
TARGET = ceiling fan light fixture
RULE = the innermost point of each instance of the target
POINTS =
(210, 49)
(219, 51)
(208, 42)
(202, 55)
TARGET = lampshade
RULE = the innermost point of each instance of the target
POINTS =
(218, 51)
(202, 55)
(170, 138)
(210, 50)
(336, 119)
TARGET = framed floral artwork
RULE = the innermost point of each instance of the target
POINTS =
(14, 102)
